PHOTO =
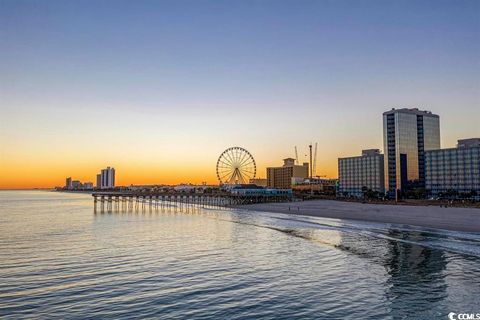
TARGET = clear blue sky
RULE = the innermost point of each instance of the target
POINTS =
(173, 74)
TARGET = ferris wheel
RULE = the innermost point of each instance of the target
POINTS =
(236, 166)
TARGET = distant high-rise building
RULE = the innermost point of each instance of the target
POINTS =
(281, 177)
(362, 173)
(407, 134)
(99, 181)
(454, 170)
(107, 178)
(68, 183)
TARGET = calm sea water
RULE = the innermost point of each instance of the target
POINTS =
(60, 260)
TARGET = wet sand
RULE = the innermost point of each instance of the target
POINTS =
(457, 219)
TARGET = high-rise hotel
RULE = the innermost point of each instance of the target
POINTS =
(106, 178)
(407, 134)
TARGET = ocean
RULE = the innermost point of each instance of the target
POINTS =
(61, 260)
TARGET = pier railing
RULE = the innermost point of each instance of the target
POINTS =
(113, 201)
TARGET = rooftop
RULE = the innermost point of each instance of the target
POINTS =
(462, 144)
(370, 152)
(411, 111)
(468, 143)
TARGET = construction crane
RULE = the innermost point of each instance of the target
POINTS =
(296, 155)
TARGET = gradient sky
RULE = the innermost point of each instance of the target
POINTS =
(158, 89)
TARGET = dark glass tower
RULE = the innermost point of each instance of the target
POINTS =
(407, 134)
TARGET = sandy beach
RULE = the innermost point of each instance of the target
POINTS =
(458, 219)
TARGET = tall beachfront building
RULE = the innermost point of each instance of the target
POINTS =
(361, 173)
(407, 134)
(107, 178)
(454, 170)
(68, 183)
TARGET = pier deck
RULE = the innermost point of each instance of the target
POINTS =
(110, 201)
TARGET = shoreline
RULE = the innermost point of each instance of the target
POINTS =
(75, 191)
(451, 218)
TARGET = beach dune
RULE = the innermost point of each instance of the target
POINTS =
(458, 219)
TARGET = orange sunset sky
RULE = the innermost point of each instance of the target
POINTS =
(149, 149)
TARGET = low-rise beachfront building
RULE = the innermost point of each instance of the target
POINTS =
(253, 190)
(99, 181)
(88, 185)
(359, 174)
(76, 184)
(317, 185)
(454, 171)
(261, 182)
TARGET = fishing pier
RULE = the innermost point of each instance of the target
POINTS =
(129, 201)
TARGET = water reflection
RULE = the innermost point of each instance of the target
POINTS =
(62, 261)
(415, 274)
